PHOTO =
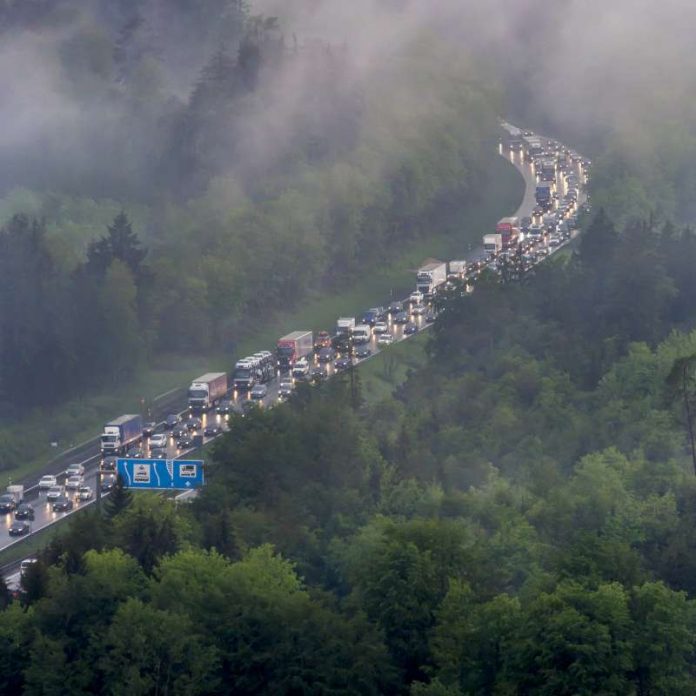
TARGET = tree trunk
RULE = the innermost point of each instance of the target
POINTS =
(689, 421)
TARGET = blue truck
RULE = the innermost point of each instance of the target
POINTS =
(544, 193)
(122, 432)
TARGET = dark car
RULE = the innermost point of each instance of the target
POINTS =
(7, 503)
(373, 315)
(395, 308)
(179, 431)
(526, 223)
(224, 407)
(158, 453)
(326, 355)
(184, 442)
(363, 352)
(343, 363)
(19, 528)
(248, 405)
(194, 424)
(212, 430)
(108, 464)
(318, 374)
(172, 420)
(62, 504)
(107, 483)
(343, 344)
(135, 453)
(401, 318)
(430, 317)
(410, 328)
(322, 340)
(149, 428)
(24, 511)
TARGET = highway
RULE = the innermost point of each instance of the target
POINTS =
(175, 401)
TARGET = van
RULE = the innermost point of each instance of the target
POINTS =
(362, 333)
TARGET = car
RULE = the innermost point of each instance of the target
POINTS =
(362, 352)
(318, 374)
(158, 440)
(410, 328)
(285, 388)
(212, 430)
(55, 492)
(184, 442)
(343, 363)
(24, 511)
(380, 327)
(526, 223)
(430, 317)
(325, 355)
(7, 503)
(25, 565)
(75, 470)
(416, 297)
(260, 391)
(19, 528)
(419, 309)
(149, 428)
(74, 482)
(322, 340)
(158, 453)
(47, 481)
(385, 339)
(135, 452)
(84, 493)
(248, 405)
(107, 484)
(224, 407)
(108, 464)
(401, 318)
(172, 420)
(193, 424)
(373, 315)
(395, 308)
(62, 504)
(179, 431)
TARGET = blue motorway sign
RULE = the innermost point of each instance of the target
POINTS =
(161, 473)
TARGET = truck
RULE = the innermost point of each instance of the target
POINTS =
(345, 326)
(492, 244)
(362, 334)
(457, 270)
(548, 170)
(17, 492)
(245, 374)
(290, 348)
(509, 230)
(544, 194)
(430, 277)
(533, 146)
(206, 391)
(122, 432)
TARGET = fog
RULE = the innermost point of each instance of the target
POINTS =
(95, 93)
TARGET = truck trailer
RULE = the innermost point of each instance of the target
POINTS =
(430, 277)
(457, 270)
(345, 326)
(492, 244)
(509, 230)
(290, 348)
(206, 391)
(122, 432)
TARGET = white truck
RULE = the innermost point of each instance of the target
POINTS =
(457, 270)
(345, 326)
(17, 492)
(493, 244)
(362, 334)
(430, 277)
(206, 391)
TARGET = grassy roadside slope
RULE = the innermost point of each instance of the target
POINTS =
(81, 419)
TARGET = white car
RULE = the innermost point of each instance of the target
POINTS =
(419, 309)
(74, 482)
(416, 297)
(75, 470)
(380, 327)
(47, 481)
(385, 339)
(55, 492)
(158, 440)
(84, 493)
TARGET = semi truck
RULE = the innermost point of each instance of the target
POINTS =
(492, 244)
(509, 230)
(457, 270)
(430, 277)
(533, 146)
(245, 375)
(548, 170)
(290, 348)
(122, 432)
(206, 391)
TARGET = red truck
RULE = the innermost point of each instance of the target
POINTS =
(296, 345)
(509, 229)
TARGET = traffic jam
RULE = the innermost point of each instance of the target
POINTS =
(544, 223)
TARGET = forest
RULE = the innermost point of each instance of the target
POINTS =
(516, 519)
(247, 171)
